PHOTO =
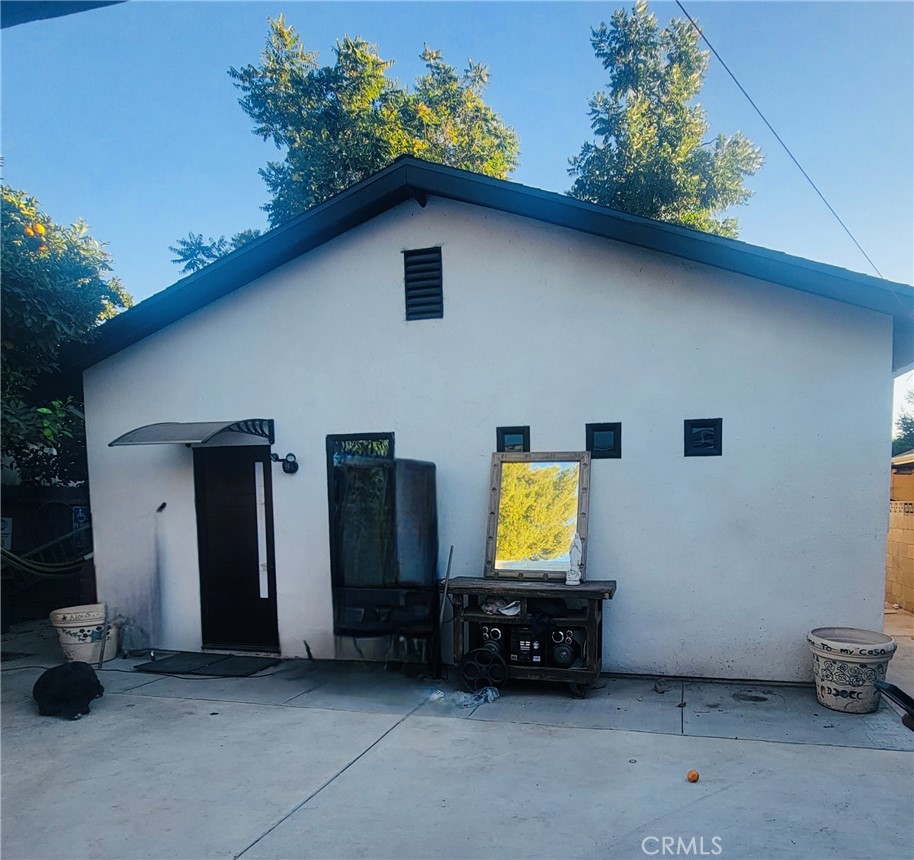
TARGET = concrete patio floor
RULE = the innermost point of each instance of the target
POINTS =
(342, 760)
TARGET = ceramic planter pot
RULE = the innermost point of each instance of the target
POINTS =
(80, 630)
(847, 662)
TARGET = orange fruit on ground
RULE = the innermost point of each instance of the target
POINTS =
(692, 776)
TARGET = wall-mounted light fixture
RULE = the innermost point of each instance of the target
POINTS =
(289, 463)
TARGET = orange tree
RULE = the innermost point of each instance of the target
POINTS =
(56, 288)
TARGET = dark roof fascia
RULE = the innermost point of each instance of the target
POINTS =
(409, 178)
(717, 251)
(16, 12)
(821, 279)
(258, 257)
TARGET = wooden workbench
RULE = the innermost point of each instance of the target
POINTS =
(584, 616)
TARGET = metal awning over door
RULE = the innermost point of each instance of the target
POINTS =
(196, 432)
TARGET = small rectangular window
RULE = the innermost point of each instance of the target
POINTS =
(703, 437)
(604, 441)
(422, 277)
(512, 439)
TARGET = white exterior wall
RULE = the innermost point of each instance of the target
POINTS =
(723, 563)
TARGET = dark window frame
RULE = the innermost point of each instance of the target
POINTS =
(502, 432)
(615, 453)
(714, 448)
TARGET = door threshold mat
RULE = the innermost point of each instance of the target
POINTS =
(218, 665)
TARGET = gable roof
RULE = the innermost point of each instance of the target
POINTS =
(411, 178)
(15, 12)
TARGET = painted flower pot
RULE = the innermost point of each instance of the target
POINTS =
(847, 662)
(80, 630)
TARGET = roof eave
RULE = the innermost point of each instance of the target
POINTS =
(408, 177)
(694, 245)
(253, 260)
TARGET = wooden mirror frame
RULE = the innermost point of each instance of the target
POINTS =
(582, 458)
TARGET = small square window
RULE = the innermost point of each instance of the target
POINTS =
(512, 439)
(604, 441)
(703, 437)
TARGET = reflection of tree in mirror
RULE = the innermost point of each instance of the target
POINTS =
(536, 511)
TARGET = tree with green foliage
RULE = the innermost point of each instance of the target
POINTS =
(652, 156)
(903, 440)
(195, 252)
(340, 123)
(536, 511)
(56, 289)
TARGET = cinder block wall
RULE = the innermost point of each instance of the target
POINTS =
(899, 567)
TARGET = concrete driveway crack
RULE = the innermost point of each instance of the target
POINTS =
(339, 773)
(682, 703)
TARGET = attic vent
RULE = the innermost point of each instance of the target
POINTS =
(424, 296)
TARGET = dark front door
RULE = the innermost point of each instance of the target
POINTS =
(235, 536)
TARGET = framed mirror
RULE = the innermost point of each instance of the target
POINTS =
(536, 504)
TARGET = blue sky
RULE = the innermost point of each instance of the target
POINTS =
(125, 116)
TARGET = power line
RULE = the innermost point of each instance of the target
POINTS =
(778, 137)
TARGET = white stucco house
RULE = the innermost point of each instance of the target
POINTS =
(549, 314)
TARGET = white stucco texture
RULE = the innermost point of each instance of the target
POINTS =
(723, 563)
